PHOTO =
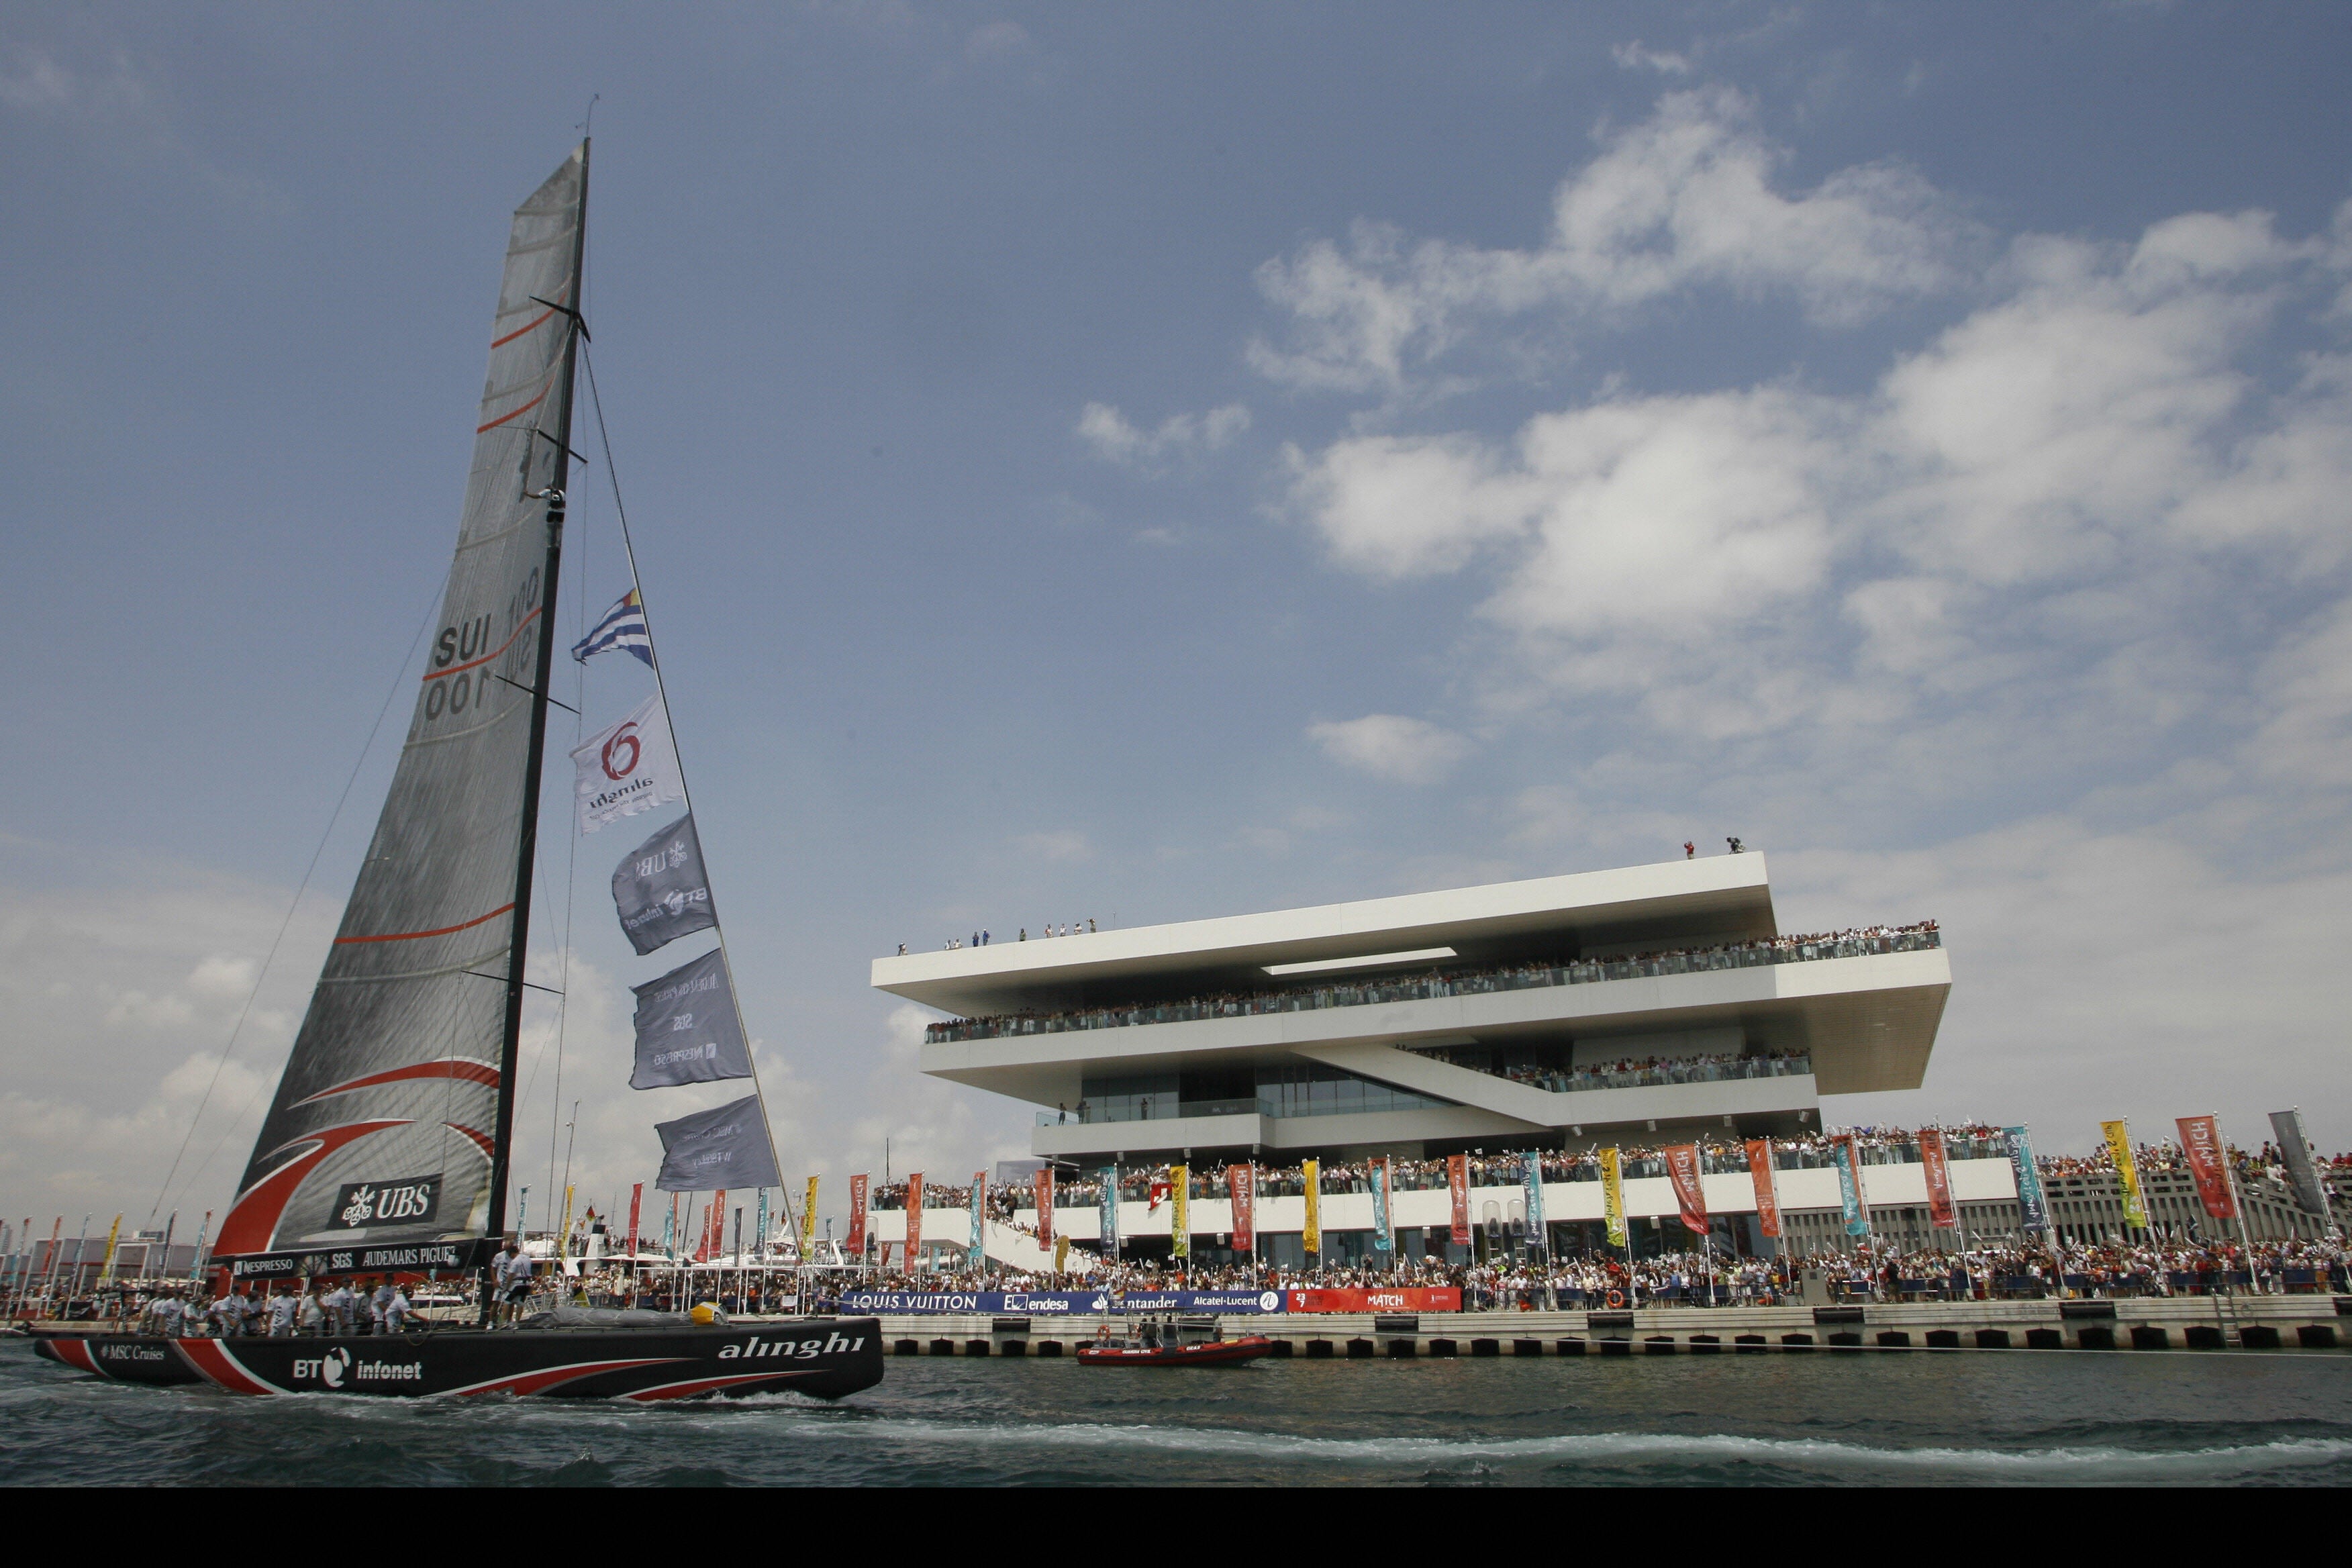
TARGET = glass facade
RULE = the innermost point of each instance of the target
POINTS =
(1294, 1089)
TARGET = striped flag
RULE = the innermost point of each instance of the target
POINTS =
(624, 626)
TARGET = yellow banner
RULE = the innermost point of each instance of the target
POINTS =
(2119, 1145)
(808, 1221)
(1180, 1222)
(1313, 1238)
(1612, 1197)
(1061, 1254)
(564, 1236)
(113, 1234)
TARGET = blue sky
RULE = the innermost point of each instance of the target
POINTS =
(1146, 464)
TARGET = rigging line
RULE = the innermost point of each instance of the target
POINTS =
(251, 996)
(661, 688)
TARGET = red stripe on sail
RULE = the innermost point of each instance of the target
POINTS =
(223, 1370)
(455, 669)
(253, 1220)
(517, 412)
(438, 931)
(502, 342)
(464, 1068)
(489, 1150)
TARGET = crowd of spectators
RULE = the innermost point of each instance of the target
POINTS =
(1564, 971)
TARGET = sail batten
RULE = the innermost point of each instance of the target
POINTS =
(371, 1098)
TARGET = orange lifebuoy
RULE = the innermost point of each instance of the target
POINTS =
(1616, 1298)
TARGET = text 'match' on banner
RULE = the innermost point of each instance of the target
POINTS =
(1767, 1189)
(1937, 1167)
(2208, 1165)
(1241, 1181)
(687, 1028)
(1690, 1195)
(627, 769)
(2120, 1149)
(723, 1147)
(1311, 1238)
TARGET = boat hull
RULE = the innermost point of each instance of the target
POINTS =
(1218, 1352)
(825, 1358)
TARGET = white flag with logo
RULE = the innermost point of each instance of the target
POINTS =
(628, 768)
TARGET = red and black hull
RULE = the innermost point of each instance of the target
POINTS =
(825, 1358)
(1214, 1352)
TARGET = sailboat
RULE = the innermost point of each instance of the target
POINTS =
(388, 1148)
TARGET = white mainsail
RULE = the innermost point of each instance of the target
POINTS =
(385, 1124)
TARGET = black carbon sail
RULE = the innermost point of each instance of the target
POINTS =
(390, 1125)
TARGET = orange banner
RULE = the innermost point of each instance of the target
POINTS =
(2209, 1162)
(1681, 1169)
(914, 1219)
(1045, 1206)
(1933, 1159)
(1767, 1189)
(1242, 1181)
(1458, 1183)
(857, 1217)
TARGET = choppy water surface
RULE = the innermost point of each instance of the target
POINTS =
(2014, 1418)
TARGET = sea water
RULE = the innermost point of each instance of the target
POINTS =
(2019, 1417)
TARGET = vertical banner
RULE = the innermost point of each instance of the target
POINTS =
(1767, 1190)
(2032, 1212)
(113, 1235)
(2120, 1149)
(2294, 1148)
(563, 1235)
(1180, 1215)
(718, 1220)
(1457, 1186)
(978, 1249)
(1383, 1233)
(1241, 1181)
(1690, 1193)
(914, 1249)
(1312, 1238)
(2200, 1141)
(857, 1217)
(808, 1223)
(669, 1230)
(1935, 1161)
(1612, 1197)
(1851, 1199)
(637, 1197)
(1110, 1222)
(1061, 1254)
(1531, 1174)
(702, 1238)
(760, 1228)
(1045, 1200)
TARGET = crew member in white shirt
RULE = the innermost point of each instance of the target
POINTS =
(282, 1307)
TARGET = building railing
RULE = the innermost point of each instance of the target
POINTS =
(1442, 984)
(1724, 1068)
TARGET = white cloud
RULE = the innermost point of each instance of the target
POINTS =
(1115, 440)
(1391, 746)
(1634, 56)
(1684, 199)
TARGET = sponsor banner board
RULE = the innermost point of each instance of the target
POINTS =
(392, 1258)
(1067, 1303)
(1416, 1298)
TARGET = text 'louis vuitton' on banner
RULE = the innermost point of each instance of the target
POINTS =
(724, 1147)
(1768, 1187)
(1935, 1163)
(1690, 1193)
(627, 769)
(2209, 1165)
(687, 1028)
(659, 889)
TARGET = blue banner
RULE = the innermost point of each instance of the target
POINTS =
(1383, 1238)
(2033, 1213)
(1531, 1177)
(1850, 1189)
(1062, 1303)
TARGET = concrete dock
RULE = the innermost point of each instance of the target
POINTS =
(2174, 1324)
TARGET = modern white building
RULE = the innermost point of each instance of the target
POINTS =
(1642, 1005)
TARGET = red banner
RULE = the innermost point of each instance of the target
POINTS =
(1681, 1169)
(857, 1217)
(717, 1222)
(914, 1220)
(1934, 1160)
(1458, 1183)
(1242, 1181)
(637, 1197)
(702, 1248)
(1767, 1190)
(2209, 1162)
(1416, 1298)
(1046, 1207)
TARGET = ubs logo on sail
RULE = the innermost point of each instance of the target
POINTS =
(413, 1200)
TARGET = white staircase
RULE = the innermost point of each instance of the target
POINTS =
(1018, 1250)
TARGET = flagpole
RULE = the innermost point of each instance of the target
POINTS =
(661, 688)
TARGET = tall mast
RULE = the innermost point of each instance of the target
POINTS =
(527, 851)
